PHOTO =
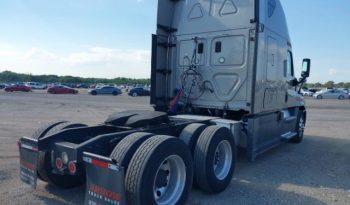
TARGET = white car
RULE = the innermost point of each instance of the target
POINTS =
(34, 85)
(307, 93)
(345, 90)
(331, 94)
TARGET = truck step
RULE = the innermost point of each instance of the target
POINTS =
(290, 119)
(287, 136)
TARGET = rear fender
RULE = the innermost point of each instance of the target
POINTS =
(104, 181)
(79, 134)
(28, 153)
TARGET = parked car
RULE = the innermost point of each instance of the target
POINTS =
(307, 93)
(345, 90)
(61, 89)
(2, 86)
(139, 92)
(105, 90)
(18, 87)
(314, 90)
(129, 87)
(83, 85)
(331, 94)
(70, 85)
(99, 85)
(34, 85)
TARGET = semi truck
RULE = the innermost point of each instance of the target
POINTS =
(222, 81)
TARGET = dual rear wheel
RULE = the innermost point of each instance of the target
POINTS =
(214, 159)
(214, 155)
(161, 169)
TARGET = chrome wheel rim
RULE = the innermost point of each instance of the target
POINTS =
(170, 180)
(222, 160)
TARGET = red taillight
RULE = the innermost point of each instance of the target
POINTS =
(59, 163)
(72, 168)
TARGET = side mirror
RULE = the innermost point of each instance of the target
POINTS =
(294, 82)
(305, 71)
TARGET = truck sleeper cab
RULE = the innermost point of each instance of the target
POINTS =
(222, 78)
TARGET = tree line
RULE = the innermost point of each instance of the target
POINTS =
(329, 84)
(12, 77)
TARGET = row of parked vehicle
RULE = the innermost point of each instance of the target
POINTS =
(329, 93)
(63, 89)
(138, 91)
(15, 87)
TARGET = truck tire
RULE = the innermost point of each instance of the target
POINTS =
(120, 118)
(45, 166)
(214, 159)
(41, 132)
(62, 126)
(190, 135)
(300, 127)
(160, 172)
(127, 147)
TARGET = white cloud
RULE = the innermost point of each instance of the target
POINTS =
(108, 56)
(110, 62)
(38, 54)
(91, 62)
(8, 53)
(332, 71)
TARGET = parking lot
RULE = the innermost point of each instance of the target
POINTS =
(317, 171)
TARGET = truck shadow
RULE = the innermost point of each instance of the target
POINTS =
(288, 174)
(64, 196)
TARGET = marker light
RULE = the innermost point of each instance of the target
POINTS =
(72, 168)
(59, 163)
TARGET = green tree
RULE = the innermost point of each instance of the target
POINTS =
(318, 85)
(8, 76)
(329, 84)
(340, 85)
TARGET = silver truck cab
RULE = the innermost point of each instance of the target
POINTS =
(227, 55)
(223, 75)
(231, 59)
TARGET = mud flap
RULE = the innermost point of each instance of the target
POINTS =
(104, 181)
(28, 154)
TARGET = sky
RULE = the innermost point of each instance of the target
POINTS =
(112, 38)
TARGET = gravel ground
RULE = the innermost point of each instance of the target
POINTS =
(317, 171)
